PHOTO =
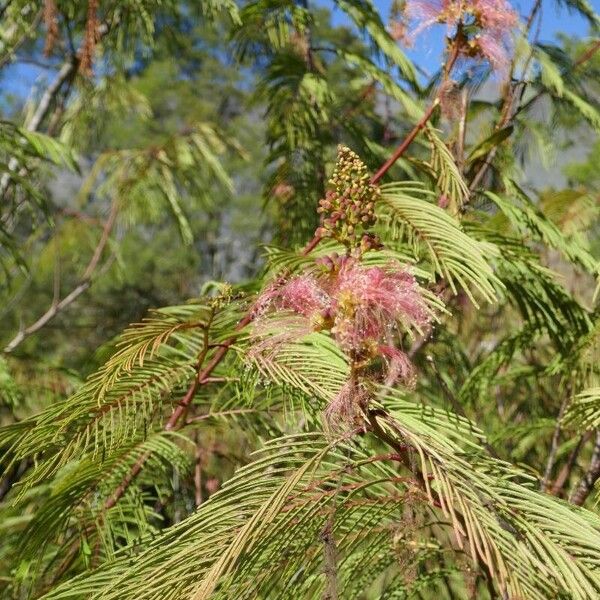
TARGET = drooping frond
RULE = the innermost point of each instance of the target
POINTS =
(534, 289)
(304, 503)
(583, 412)
(126, 396)
(312, 364)
(148, 180)
(531, 222)
(449, 179)
(433, 234)
(366, 17)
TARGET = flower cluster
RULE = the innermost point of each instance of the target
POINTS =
(482, 27)
(348, 208)
(363, 308)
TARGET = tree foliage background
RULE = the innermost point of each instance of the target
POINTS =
(200, 202)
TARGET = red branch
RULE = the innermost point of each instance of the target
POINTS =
(405, 144)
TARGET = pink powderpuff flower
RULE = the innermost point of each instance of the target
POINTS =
(343, 412)
(495, 15)
(399, 366)
(494, 51)
(494, 20)
(302, 295)
(375, 300)
(363, 307)
(429, 12)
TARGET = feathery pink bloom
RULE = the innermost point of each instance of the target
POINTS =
(361, 305)
(399, 366)
(495, 15)
(494, 51)
(302, 295)
(494, 20)
(375, 300)
(344, 410)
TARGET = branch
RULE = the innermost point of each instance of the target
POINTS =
(565, 472)
(68, 70)
(586, 485)
(405, 144)
(554, 444)
(507, 108)
(84, 283)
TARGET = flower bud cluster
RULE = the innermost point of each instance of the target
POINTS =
(348, 208)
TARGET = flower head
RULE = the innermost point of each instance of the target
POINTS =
(482, 27)
(343, 412)
(302, 295)
(363, 308)
(370, 302)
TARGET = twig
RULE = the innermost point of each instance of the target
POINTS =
(405, 144)
(84, 283)
(198, 472)
(452, 58)
(462, 130)
(554, 445)
(586, 485)
(330, 560)
(565, 472)
(589, 53)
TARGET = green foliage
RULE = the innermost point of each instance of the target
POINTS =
(225, 447)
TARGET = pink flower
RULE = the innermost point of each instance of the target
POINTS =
(429, 12)
(492, 21)
(495, 52)
(370, 302)
(362, 306)
(343, 412)
(495, 15)
(302, 295)
(399, 366)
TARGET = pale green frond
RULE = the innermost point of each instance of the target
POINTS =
(550, 73)
(583, 412)
(279, 515)
(312, 364)
(589, 112)
(389, 85)
(364, 15)
(124, 397)
(431, 231)
(535, 290)
(449, 179)
(526, 538)
(528, 220)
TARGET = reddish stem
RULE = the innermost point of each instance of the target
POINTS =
(405, 144)
(204, 375)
